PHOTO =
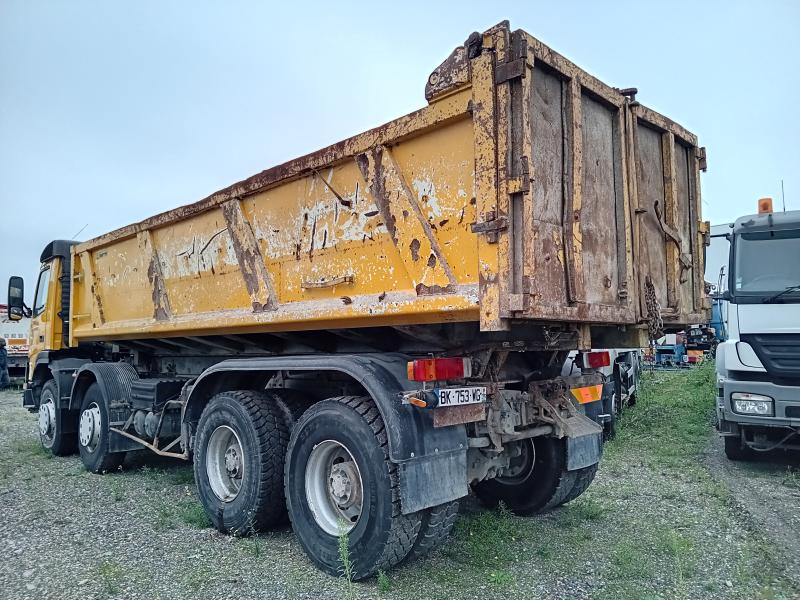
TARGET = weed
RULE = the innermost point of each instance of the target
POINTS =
(500, 578)
(384, 583)
(117, 493)
(344, 557)
(109, 573)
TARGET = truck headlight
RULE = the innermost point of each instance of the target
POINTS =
(751, 404)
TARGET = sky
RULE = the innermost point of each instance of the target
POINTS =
(113, 111)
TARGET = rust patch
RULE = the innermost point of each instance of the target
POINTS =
(161, 306)
(414, 247)
(377, 186)
(430, 290)
(456, 415)
(254, 271)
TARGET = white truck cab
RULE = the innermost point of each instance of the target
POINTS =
(758, 366)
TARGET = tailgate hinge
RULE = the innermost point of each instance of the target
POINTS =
(514, 69)
(521, 184)
(702, 162)
(491, 226)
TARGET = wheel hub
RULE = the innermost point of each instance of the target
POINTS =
(233, 461)
(344, 484)
(89, 427)
(47, 419)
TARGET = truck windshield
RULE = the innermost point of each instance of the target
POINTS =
(766, 262)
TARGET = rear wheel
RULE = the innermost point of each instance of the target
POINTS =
(435, 528)
(583, 479)
(538, 479)
(54, 423)
(93, 433)
(291, 403)
(238, 461)
(340, 481)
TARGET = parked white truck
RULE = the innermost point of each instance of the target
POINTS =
(758, 366)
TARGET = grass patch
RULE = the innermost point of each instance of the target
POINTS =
(32, 449)
(197, 577)
(109, 573)
(483, 538)
(671, 423)
(181, 475)
(192, 513)
(189, 512)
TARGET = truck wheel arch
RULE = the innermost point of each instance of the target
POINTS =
(432, 462)
(114, 380)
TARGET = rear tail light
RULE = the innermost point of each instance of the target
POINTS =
(439, 369)
(594, 360)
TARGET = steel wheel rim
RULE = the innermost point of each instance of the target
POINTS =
(225, 462)
(520, 468)
(47, 422)
(334, 488)
(89, 429)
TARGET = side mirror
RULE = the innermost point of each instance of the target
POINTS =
(16, 296)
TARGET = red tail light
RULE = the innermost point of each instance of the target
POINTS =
(439, 369)
(595, 360)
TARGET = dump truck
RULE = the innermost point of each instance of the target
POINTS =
(362, 335)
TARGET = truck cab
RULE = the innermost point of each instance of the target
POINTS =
(758, 366)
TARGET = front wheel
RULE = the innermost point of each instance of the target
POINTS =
(340, 482)
(736, 449)
(537, 479)
(56, 426)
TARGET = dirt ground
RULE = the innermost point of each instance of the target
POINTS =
(768, 490)
(667, 517)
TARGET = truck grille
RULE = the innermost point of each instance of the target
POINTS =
(778, 352)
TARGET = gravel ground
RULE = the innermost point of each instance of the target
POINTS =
(659, 522)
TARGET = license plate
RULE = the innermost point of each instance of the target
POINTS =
(461, 396)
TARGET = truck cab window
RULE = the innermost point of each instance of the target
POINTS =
(41, 292)
(763, 261)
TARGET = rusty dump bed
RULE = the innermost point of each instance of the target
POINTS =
(526, 189)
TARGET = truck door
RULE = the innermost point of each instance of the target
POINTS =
(45, 325)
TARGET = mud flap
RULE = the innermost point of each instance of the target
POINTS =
(584, 440)
(432, 480)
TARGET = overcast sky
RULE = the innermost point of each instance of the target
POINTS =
(113, 111)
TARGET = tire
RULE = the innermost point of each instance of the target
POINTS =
(348, 432)
(542, 484)
(735, 450)
(583, 480)
(238, 461)
(435, 528)
(56, 426)
(292, 404)
(614, 410)
(93, 433)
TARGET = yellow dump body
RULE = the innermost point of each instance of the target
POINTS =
(526, 189)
